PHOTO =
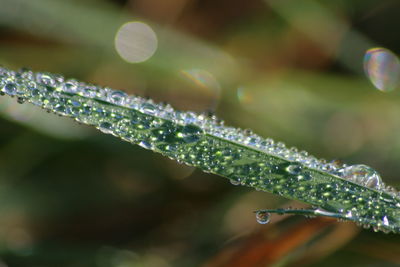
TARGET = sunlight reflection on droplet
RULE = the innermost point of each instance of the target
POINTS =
(383, 68)
(136, 42)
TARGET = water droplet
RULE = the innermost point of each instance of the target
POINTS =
(45, 79)
(191, 133)
(89, 91)
(294, 168)
(145, 144)
(70, 86)
(117, 97)
(263, 217)
(385, 221)
(106, 127)
(148, 108)
(21, 100)
(10, 89)
(363, 175)
(382, 68)
(235, 182)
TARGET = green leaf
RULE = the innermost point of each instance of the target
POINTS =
(355, 193)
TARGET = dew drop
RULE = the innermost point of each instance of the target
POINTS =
(20, 100)
(263, 217)
(191, 133)
(294, 168)
(70, 86)
(235, 182)
(385, 221)
(106, 127)
(382, 68)
(10, 89)
(117, 97)
(45, 79)
(88, 92)
(145, 144)
(363, 175)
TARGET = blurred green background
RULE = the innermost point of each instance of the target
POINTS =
(290, 69)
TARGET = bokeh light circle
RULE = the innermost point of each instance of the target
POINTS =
(382, 68)
(136, 42)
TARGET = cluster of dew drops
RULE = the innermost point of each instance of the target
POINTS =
(359, 174)
(382, 67)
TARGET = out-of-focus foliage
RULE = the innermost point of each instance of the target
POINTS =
(292, 70)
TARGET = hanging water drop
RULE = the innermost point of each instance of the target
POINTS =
(106, 127)
(145, 144)
(20, 100)
(263, 217)
(235, 181)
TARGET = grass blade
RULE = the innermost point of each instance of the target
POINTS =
(355, 193)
